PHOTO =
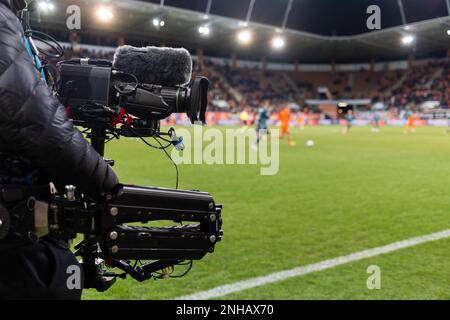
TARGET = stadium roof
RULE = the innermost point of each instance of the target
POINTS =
(133, 19)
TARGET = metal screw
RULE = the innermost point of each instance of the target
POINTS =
(115, 249)
(113, 235)
(211, 205)
(114, 211)
(212, 217)
(212, 238)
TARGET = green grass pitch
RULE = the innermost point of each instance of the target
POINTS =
(346, 194)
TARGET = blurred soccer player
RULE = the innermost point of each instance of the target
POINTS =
(349, 117)
(285, 116)
(447, 131)
(244, 117)
(261, 122)
(301, 120)
(376, 122)
(410, 126)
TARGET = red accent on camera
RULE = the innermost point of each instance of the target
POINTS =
(69, 112)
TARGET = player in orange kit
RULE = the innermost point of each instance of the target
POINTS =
(410, 126)
(301, 121)
(285, 116)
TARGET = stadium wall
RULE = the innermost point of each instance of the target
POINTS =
(363, 119)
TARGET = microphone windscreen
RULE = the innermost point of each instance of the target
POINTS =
(154, 65)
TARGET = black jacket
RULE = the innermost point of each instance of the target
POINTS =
(33, 124)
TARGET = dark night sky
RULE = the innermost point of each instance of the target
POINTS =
(327, 17)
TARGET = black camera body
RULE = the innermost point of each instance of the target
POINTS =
(85, 86)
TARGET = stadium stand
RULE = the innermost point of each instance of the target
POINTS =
(247, 86)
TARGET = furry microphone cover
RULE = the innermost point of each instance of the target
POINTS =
(154, 65)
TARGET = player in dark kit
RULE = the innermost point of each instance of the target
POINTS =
(349, 117)
(261, 122)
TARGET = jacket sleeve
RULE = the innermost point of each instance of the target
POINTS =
(33, 123)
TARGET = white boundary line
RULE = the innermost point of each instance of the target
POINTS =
(299, 271)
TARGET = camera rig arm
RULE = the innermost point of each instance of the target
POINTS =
(140, 204)
(160, 247)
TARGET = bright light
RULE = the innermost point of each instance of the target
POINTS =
(46, 6)
(406, 40)
(342, 104)
(105, 14)
(204, 30)
(278, 42)
(158, 23)
(448, 32)
(245, 36)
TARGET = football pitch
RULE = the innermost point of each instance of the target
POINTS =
(347, 194)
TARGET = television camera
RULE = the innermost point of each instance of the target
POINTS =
(124, 98)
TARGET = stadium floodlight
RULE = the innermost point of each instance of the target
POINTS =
(105, 14)
(245, 36)
(278, 42)
(46, 6)
(408, 39)
(204, 30)
(157, 22)
(50, 6)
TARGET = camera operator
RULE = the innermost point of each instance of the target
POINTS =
(34, 126)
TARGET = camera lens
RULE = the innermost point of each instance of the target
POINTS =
(192, 100)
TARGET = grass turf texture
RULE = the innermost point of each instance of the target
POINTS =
(347, 194)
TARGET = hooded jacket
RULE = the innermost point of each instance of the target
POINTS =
(34, 125)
